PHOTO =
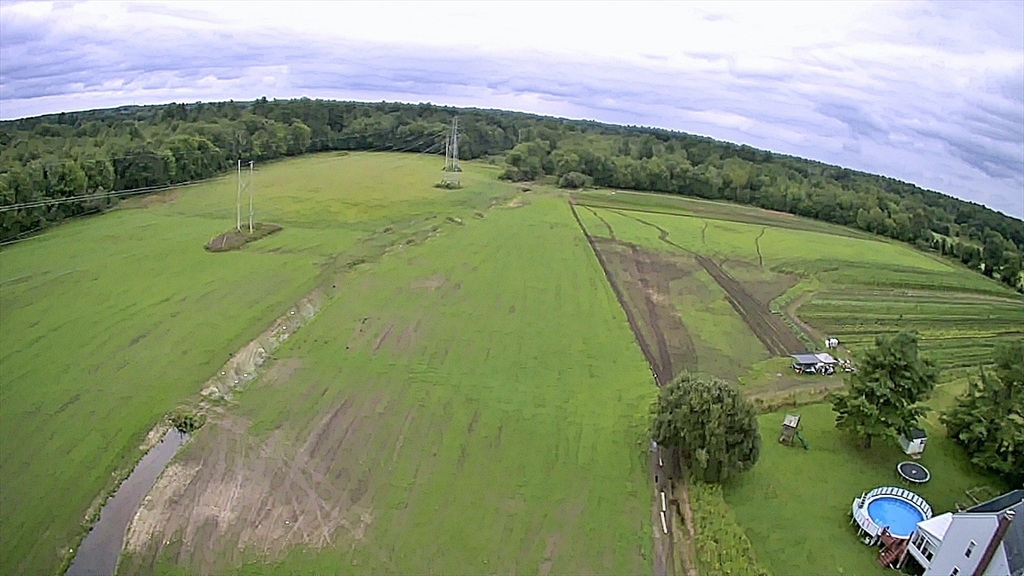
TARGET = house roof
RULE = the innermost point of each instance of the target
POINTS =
(936, 526)
(917, 434)
(825, 358)
(999, 503)
(1013, 541)
(805, 358)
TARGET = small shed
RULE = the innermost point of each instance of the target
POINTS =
(789, 426)
(913, 445)
(806, 363)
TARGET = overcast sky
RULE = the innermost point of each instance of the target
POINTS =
(931, 93)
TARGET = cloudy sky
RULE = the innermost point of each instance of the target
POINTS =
(931, 93)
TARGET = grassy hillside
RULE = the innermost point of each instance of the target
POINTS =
(472, 404)
(831, 281)
(470, 396)
(115, 320)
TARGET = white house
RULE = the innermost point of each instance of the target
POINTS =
(983, 540)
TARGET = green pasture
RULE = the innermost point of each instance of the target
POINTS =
(507, 425)
(109, 322)
(724, 345)
(856, 287)
(794, 505)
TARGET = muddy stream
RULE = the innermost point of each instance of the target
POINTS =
(98, 553)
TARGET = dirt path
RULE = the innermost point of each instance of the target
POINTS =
(663, 549)
(611, 231)
(772, 332)
(757, 246)
(776, 337)
(681, 505)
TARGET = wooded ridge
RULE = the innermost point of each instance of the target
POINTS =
(61, 165)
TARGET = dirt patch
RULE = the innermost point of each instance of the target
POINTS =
(776, 337)
(550, 546)
(236, 239)
(643, 280)
(149, 200)
(244, 365)
(280, 372)
(640, 281)
(233, 494)
(433, 283)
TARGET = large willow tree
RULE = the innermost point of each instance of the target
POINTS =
(713, 427)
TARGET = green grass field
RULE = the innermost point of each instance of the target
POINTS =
(112, 321)
(468, 399)
(485, 406)
(852, 286)
(794, 504)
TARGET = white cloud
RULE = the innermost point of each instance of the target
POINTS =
(928, 92)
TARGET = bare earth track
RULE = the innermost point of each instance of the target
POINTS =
(661, 368)
(777, 338)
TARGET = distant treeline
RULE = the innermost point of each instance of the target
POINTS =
(57, 166)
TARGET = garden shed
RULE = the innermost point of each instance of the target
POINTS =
(914, 443)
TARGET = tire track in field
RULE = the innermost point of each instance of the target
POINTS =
(663, 556)
(776, 337)
(757, 246)
(617, 290)
(611, 231)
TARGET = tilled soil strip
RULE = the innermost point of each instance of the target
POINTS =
(665, 549)
(630, 318)
(777, 338)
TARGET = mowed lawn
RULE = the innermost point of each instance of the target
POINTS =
(795, 505)
(108, 322)
(484, 403)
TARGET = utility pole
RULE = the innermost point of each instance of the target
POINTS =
(238, 199)
(252, 192)
(451, 156)
(244, 185)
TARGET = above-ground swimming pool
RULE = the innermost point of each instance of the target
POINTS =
(899, 515)
(897, 509)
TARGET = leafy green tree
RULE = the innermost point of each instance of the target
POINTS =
(573, 180)
(710, 424)
(988, 419)
(881, 398)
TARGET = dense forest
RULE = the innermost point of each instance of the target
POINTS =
(62, 165)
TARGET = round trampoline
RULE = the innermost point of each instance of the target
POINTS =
(896, 509)
(913, 472)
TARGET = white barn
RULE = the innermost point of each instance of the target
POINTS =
(983, 540)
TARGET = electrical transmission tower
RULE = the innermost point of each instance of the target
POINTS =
(243, 186)
(451, 156)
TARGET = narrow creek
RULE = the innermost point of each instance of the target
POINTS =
(98, 553)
